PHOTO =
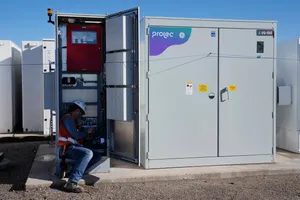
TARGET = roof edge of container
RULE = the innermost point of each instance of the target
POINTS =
(15, 46)
(48, 39)
(297, 39)
(209, 19)
(10, 41)
(80, 15)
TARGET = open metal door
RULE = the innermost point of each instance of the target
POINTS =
(121, 71)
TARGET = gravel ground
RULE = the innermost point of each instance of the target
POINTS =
(271, 187)
(12, 182)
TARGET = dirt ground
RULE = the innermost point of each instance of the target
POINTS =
(21, 154)
(12, 181)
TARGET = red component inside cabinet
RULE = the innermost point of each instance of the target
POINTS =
(84, 48)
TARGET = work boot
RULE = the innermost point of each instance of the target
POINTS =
(73, 187)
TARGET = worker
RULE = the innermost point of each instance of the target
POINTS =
(70, 143)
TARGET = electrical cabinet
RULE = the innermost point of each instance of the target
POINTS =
(209, 94)
(37, 56)
(288, 107)
(85, 43)
(10, 86)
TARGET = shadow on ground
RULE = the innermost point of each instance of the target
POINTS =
(21, 154)
(16, 138)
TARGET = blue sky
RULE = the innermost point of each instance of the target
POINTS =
(27, 19)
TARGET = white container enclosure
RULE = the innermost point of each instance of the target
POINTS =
(288, 110)
(209, 93)
(182, 92)
(37, 56)
(10, 87)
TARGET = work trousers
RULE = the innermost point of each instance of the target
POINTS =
(84, 158)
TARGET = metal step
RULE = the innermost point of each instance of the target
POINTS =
(103, 166)
(1, 156)
(3, 161)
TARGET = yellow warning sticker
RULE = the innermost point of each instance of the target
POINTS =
(202, 88)
(232, 88)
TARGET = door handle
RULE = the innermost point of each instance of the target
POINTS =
(224, 94)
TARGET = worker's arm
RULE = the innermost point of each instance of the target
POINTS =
(69, 124)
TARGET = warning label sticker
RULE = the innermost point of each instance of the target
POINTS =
(202, 88)
(189, 88)
(232, 88)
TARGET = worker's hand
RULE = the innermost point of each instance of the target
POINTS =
(90, 134)
(90, 131)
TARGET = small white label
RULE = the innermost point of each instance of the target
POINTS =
(102, 140)
(189, 88)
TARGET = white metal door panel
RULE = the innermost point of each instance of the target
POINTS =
(32, 86)
(6, 87)
(119, 68)
(286, 116)
(246, 93)
(119, 104)
(119, 31)
(298, 87)
(6, 104)
(182, 120)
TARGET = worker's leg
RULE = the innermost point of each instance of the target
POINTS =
(96, 158)
(82, 157)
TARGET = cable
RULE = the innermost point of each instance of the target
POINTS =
(179, 65)
(170, 58)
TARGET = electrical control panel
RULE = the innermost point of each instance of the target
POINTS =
(84, 48)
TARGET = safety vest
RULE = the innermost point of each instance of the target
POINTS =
(64, 137)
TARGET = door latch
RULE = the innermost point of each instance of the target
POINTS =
(224, 94)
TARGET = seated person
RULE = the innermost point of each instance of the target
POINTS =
(70, 142)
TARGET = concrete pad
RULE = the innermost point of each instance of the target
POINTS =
(42, 172)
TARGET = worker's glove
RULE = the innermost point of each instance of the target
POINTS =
(90, 131)
(90, 134)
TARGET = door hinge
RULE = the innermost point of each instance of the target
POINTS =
(147, 75)
(272, 115)
(147, 118)
(147, 155)
(272, 75)
(147, 31)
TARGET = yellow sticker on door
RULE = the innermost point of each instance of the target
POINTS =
(232, 88)
(202, 88)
